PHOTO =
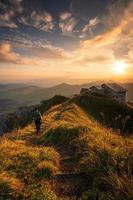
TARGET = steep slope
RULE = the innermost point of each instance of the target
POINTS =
(73, 157)
(107, 111)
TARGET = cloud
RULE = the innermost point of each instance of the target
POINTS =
(9, 10)
(13, 14)
(34, 55)
(99, 53)
(6, 20)
(39, 20)
(107, 38)
(86, 10)
(6, 53)
(16, 5)
(88, 28)
(92, 57)
(11, 5)
(111, 35)
(67, 23)
(65, 15)
(48, 52)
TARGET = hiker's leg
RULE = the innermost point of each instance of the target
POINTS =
(40, 124)
(36, 125)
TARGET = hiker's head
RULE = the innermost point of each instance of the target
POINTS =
(36, 108)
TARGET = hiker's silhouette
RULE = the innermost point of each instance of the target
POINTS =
(37, 119)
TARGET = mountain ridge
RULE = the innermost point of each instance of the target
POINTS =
(73, 158)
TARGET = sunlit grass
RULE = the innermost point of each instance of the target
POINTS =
(22, 165)
(105, 157)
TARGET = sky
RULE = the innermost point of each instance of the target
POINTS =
(72, 41)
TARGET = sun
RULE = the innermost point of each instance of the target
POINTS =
(120, 67)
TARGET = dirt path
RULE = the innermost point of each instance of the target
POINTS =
(68, 182)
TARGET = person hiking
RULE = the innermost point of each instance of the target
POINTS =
(37, 119)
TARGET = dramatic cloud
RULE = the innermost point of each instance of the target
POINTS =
(9, 11)
(65, 16)
(6, 20)
(13, 14)
(102, 51)
(39, 20)
(88, 28)
(6, 54)
(85, 41)
(40, 55)
(67, 23)
(14, 5)
(111, 36)
(86, 10)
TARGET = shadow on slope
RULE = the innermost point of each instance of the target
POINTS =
(107, 111)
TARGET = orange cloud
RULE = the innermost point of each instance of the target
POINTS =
(110, 36)
(6, 53)
(65, 15)
(41, 56)
(39, 20)
(67, 23)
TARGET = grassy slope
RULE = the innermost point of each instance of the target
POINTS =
(38, 167)
(105, 110)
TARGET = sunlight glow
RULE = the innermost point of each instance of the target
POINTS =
(119, 67)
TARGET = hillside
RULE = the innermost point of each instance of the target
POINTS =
(15, 95)
(107, 111)
(8, 105)
(73, 157)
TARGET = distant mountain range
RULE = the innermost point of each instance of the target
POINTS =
(16, 95)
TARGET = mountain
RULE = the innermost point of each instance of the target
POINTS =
(7, 105)
(73, 157)
(25, 95)
(15, 95)
(16, 92)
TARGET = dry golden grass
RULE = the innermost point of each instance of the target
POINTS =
(101, 151)
(24, 166)
(105, 157)
(15, 184)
